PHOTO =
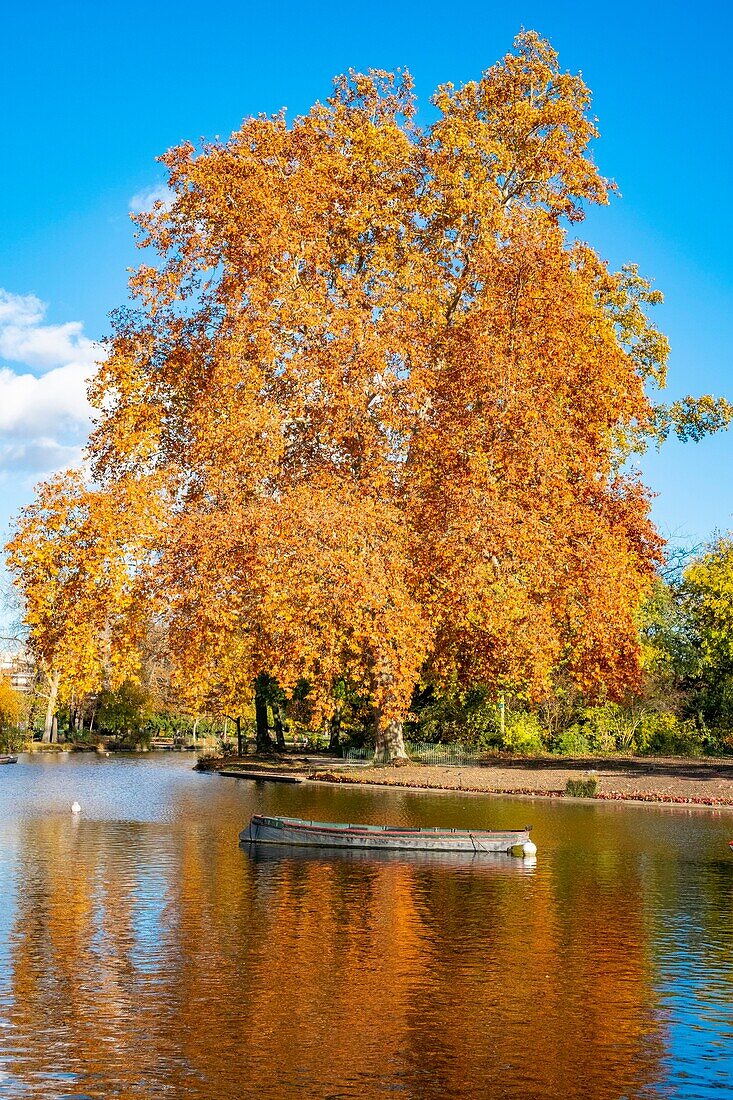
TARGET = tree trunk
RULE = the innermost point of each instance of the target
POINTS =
(53, 692)
(389, 742)
(389, 745)
(238, 722)
(334, 732)
(33, 710)
(264, 744)
(278, 722)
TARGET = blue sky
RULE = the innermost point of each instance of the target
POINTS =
(93, 93)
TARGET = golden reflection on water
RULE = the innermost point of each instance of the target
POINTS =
(149, 959)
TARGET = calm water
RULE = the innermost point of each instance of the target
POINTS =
(143, 954)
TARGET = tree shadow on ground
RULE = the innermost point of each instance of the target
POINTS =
(676, 767)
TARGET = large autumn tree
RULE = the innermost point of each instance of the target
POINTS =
(378, 398)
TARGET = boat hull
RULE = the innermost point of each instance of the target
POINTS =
(317, 834)
(8, 759)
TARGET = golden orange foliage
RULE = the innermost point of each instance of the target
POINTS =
(380, 392)
(68, 557)
(373, 400)
(13, 705)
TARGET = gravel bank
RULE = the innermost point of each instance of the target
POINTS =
(704, 782)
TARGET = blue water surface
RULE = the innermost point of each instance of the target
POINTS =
(145, 954)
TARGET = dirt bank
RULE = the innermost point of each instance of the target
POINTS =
(704, 782)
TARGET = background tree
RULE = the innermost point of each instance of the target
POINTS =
(707, 601)
(13, 712)
(68, 560)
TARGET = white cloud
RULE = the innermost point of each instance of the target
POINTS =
(44, 412)
(17, 309)
(54, 403)
(25, 339)
(143, 201)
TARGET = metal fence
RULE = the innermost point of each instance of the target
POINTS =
(358, 754)
(424, 753)
(438, 753)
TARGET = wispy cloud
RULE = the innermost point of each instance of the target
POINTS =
(144, 201)
(38, 457)
(20, 309)
(44, 373)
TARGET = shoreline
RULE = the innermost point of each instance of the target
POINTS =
(638, 798)
(705, 782)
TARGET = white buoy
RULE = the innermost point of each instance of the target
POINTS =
(529, 849)
(75, 808)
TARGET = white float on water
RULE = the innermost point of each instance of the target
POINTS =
(75, 808)
(529, 849)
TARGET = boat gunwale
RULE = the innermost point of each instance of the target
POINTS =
(391, 831)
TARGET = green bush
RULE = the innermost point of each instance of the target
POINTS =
(482, 728)
(581, 788)
(612, 728)
(12, 740)
(667, 735)
(606, 728)
(443, 719)
(471, 718)
(572, 742)
(123, 715)
(724, 742)
(523, 734)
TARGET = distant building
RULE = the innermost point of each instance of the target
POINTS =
(19, 667)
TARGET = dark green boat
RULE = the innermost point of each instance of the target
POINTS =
(326, 834)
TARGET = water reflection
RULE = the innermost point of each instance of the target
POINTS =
(500, 862)
(146, 954)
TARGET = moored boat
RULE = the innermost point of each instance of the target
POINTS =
(8, 759)
(328, 834)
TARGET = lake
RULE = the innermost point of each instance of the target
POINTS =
(144, 954)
